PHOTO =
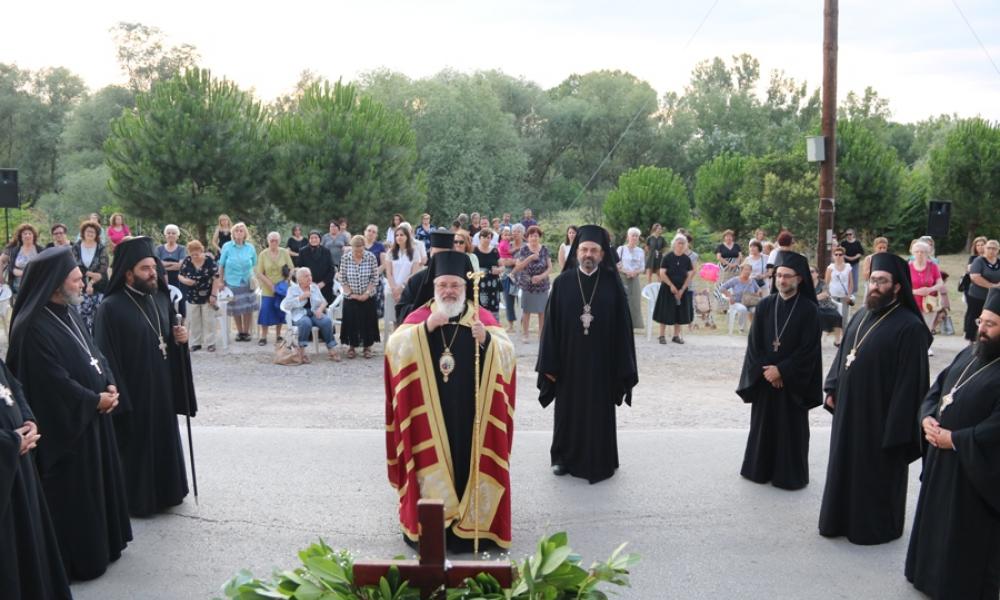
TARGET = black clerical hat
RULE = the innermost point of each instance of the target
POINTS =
(799, 264)
(900, 271)
(127, 255)
(993, 301)
(451, 262)
(598, 235)
(442, 238)
(42, 277)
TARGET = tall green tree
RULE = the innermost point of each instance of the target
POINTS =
(869, 178)
(194, 147)
(965, 170)
(89, 125)
(338, 153)
(716, 187)
(648, 195)
(780, 192)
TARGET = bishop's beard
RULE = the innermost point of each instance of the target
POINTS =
(987, 348)
(876, 301)
(451, 308)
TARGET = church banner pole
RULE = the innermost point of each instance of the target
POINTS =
(187, 415)
(475, 276)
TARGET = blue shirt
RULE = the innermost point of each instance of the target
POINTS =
(238, 262)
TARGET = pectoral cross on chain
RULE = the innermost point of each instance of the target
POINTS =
(587, 319)
(7, 395)
(96, 364)
(163, 348)
(850, 359)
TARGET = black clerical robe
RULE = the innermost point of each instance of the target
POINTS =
(955, 542)
(778, 445)
(875, 434)
(78, 455)
(153, 391)
(408, 297)
(594, 371)
(31, 568)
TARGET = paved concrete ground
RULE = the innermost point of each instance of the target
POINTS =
(702, 531)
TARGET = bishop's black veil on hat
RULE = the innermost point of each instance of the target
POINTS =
(448, 262)
(900, 271)
(598, 235)
(442, 239)
(45, 274)
(799, 264)
(127, 255)
(993, 301)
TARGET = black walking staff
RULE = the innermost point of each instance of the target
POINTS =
(187, 398)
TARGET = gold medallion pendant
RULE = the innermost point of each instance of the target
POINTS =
(446, 364)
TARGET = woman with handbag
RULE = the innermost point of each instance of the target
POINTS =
(236, 269)
(272, 262)
(93, 261)
(743, 293)
(840, 285)
(827, 310)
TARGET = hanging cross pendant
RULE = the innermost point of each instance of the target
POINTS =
(96, 364)
(163, 348)
(7, 395)
(850, 359)
(776, 344)
(947, 400)
(587, 319)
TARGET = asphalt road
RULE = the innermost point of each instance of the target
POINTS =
(702, 531)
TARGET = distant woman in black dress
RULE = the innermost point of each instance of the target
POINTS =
(673, 303)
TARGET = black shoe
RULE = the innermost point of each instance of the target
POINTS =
(559, 470)
(663, 339)
(677, 339)
(195, 348)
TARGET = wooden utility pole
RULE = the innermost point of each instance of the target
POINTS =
(828, 168)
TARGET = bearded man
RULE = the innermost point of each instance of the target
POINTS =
(874, 389)
(136, 331)
(955, 542)
(446, 439)
(71, 390)
(586, 358)
(782, 377)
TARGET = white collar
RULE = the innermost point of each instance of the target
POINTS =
(589, 274)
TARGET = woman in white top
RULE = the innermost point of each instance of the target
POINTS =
(390, 231)
(419, 250)
(565, 246)
(838, 281)
(400, 262)
(631, 265)
(758, 264)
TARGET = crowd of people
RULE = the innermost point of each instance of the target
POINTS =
(99, 361)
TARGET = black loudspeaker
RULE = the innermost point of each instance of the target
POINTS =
(8, 189)
(938, 219)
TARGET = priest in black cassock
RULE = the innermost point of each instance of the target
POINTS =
(955, 542)
(874, 389)
(71, 390)
(30, 565)
(135, 329)
(441, 240)
(586, 358)
(782, 377)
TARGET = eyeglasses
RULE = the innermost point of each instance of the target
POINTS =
(879, 281)
(459, 242)
(449, 286)
(988, 324)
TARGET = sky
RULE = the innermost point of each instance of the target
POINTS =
(919, 54)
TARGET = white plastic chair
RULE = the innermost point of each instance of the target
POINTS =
(650, 292)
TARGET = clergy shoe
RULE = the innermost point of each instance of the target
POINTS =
(559, 470)
(195, 348)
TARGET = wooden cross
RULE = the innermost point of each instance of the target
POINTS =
(431, 571)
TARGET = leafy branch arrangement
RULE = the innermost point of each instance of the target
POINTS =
(552, 573)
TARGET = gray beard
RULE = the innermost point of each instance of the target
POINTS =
(71, 299)
(449, 309)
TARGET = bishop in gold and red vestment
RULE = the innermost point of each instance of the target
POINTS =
(438, 425)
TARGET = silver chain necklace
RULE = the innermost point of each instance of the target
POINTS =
(159, 326)
(777, 334)
(80, 339)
